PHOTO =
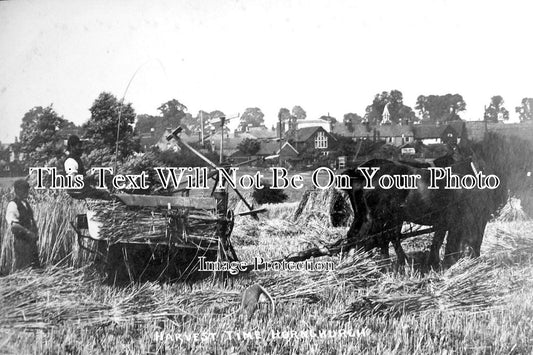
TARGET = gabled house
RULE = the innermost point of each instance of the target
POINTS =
(313, 139)
(270, 148)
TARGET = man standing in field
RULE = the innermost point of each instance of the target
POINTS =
(19, 217)
(74, 166)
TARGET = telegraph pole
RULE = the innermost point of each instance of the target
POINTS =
(280, 136)
(202, 128)
(222, 119)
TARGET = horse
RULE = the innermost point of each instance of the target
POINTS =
(380, 212)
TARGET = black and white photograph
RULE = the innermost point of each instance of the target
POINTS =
(266, 177)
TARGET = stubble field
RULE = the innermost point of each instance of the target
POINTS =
(365, 305)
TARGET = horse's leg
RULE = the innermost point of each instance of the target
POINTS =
(434, 252)
(400, 253)
(360, 214)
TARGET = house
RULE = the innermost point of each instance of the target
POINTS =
(148, 140)
(394, 134)
(451, 132)
(313, 139)
(286, 152)
(270, 148)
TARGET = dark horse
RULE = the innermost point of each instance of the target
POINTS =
(380, 212)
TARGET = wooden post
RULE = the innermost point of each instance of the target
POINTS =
(221, 197)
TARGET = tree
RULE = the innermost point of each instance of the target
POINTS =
(298, 113)
(284, 114)
(350, 120)
(496, 111)
(525, 111)
(345, 146)
(172, 113)
(249, 146)
(284, 119)
(329, 118)
(145, 123)
(40, 138)
(440, 108)
(398, 111)
(101, 129)
(252, 117)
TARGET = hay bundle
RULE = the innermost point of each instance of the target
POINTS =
(509, 242)
(512, 211)
(330, 206)
(121, 223)
(468, 285)
(42, 299)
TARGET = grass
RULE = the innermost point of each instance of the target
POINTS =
(480, 306)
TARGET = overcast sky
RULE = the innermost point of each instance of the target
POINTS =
(326, 56)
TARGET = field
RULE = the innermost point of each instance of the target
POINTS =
(365, 305)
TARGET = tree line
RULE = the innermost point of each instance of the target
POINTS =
(41, 128)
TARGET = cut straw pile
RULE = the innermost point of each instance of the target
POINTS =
(121, 223)
(512, 211)
(471, 284)
(41, 299)
(323, 205)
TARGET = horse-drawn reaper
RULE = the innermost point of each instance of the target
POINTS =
(154, 237)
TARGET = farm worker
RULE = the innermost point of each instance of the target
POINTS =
(19, 217)
(74, 166)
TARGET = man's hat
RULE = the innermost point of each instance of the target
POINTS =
(73, 140)
(21, 184)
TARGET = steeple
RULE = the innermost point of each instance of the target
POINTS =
(385, 116)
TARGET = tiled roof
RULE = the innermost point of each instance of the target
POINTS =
(394, 130)
(303, 134)
(268, 148)
(425, 131)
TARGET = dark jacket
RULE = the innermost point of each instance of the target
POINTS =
(25, 214)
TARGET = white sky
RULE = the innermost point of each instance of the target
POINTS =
(326, 56)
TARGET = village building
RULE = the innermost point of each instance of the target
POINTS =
(394, 134)
(448, 133)
(313, 138)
